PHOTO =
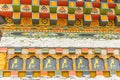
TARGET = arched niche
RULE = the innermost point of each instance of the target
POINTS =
(113, 63)
(66, 63)
(49, 63)
(33, 63)
(82, 63)
(97, 63)
(16, 63)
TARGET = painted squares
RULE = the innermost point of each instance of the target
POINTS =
(88, 7)
(84, 50)
(88, 4)
(79, 10)
(118, 18)
(6, 7)
(53, 3)
(104, 8)
(16, 2)
(103, 51)
(71, 17)
(117, 9)
(95, 11)
(44, 21)
(10, 51)
(72, 4)
(53, 6)
(104, 18)
(53, 16)
(53, 19)
(79, 0)
(62, 22)
(26, 8)
(59, 50)
(35, 2)
(35, 15)
(62, 9)
(87, 17)
(111, 12)
(104, 5)
(26, 20)
(24, 51)
(44, 9)
(16, 15)
(118, 5)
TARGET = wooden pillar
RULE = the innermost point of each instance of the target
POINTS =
(74, 65)
(90, 64)
(7, 65)
(90, 56)
(104, 56)
(41, 64)
(7, 62)
(57, 61)
(74, 61)
(57, 65)
(24, 61)
(24, 64)
(105, 63)
(41, 57)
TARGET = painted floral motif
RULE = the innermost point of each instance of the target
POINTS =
(62, 10)
(5, 7)
(111, 12)
(94, 10)
(26, 20)
(79, 10)
(8, 20)
(110, 23)
(94, 23)
(44, 9)
(26, 8)
(44, 21)
(79, 22)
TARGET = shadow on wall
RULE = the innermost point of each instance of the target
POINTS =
(2, 20)
(0, 35)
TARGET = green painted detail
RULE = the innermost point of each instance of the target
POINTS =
(97, 50)
(86, 9)
(103, 10)
(53, 9)
(45, 50)
(117, 10)
(35, 8)
(71, 10)
(16, 8)
(58, 72)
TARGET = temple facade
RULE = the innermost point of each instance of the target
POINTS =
(60, 39)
